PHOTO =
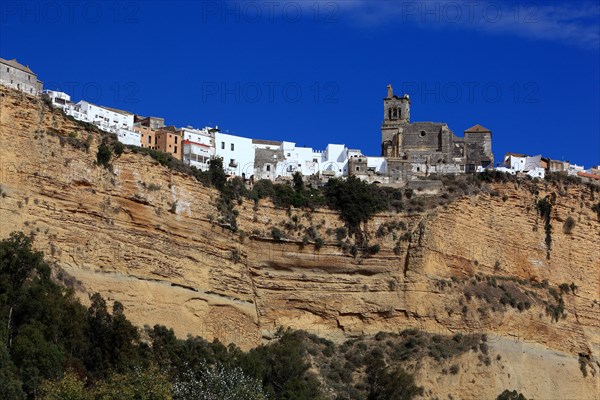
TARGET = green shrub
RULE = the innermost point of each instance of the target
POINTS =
(596, 208)
(341, 233)
(319, 242)
(508, 395)
(544, 208)
(568, 225)
(374, 249)
(103, 156)
(276, 233)
(118, 148)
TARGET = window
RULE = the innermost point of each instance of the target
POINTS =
(288, 154)
(149, 139)
(28, 77)
(7, 69)
(175, 139)
(268, 168)
(315, 160)
(222, 145)
(422, 133)
(232, 146)
(175, 151)
(357, 168)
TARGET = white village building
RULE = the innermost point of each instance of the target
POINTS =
(532, 166)
(198, 146)
(58, 99)
(237, 153)
(105, 118)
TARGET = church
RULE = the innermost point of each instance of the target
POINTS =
(423, 148)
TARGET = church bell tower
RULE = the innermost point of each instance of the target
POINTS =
(396, 116)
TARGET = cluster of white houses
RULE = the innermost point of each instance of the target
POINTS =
(538, 166)
(242, 156)
(409, 150)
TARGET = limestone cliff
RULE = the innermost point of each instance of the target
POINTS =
(146, 236)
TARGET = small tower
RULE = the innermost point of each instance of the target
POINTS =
(396, 115)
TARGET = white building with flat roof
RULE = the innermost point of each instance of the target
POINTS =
(334, 160)
(105, 118)
(127, 136)
(528, 165)
(58, 99)
(237, 153)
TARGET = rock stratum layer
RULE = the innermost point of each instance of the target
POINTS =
(145, 235)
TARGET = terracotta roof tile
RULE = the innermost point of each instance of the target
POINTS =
(478, 129)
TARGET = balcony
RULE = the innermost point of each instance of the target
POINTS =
(233, 164)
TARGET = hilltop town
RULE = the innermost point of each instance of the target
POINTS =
(482, 287)
(410, 151)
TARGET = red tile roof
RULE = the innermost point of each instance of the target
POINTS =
(478, 129)
(196, 143)
(587, 175)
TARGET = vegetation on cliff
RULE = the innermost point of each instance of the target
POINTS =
(52, 347)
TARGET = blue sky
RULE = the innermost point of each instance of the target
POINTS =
(315, 72)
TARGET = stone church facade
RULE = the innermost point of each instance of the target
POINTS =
(423, 148)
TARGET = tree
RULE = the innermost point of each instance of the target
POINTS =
(216, 174)
(399, 385)
(36, 357)
(11, 386)
(218, 383)
(113, 339)
(357, 201)
(298, 181)
(283, 368)
(137, 384)
(70, 387)
(18, 263)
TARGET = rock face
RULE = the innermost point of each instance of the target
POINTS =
(146, 236)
